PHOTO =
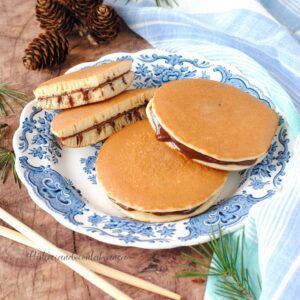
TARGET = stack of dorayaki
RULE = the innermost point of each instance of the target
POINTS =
(167, 151)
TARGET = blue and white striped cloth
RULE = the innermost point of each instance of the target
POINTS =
(274, 228)
(243, 25)
(260, 38)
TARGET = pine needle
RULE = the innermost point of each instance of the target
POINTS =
(7, 94)
(3, 129)
(234, 280)
(7, 162)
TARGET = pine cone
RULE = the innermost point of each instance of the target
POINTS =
(47, 50)
(103, 23)
(81, 8)
(53, 15)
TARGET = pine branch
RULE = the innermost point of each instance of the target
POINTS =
(234, 280)
(7, 162)
(7, 157)
(7, 93)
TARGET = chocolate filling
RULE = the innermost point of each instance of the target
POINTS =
(131, 113)
(85, 92)
(163, 136)
(180, 212)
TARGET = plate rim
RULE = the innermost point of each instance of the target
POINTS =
(59, 218)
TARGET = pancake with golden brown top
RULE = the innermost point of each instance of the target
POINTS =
(212, 123)
(148, 181)
(86, 86)
(89, 124)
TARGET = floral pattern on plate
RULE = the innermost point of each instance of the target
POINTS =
(64, 192)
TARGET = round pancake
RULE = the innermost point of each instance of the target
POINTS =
(97, 134)
(89, 124)
(143, 174)
(150, 217)
(85, 86)
(215, 119)
(82, 79)
(74, 120)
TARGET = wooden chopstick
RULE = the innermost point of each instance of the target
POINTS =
(94, 266)
(50, 248)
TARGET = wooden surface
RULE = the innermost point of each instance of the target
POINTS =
(29, 275)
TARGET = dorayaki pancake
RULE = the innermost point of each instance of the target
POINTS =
(89, 124)
(150, 182)
(85, 86)
(212, 123)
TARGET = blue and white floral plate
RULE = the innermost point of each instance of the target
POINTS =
(62, 181)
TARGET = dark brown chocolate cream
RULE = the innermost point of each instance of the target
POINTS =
(85, 92)
(163, 136)
(131, 112)
(180, 212)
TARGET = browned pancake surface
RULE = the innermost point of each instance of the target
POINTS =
(138, 171)
(215, 119)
